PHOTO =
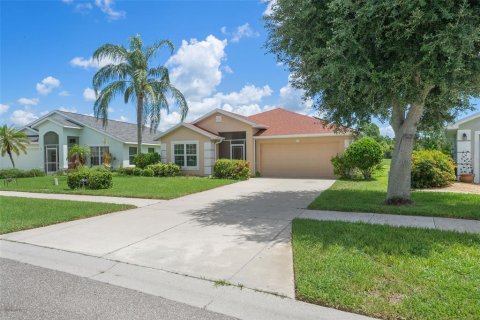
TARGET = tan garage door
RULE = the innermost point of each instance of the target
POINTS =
(297, 160)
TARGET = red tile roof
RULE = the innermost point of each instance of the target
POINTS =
(284, 122)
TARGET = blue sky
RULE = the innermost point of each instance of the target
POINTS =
(219, 61)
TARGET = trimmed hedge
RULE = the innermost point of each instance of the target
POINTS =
(432, 169)
(231, 169)
(366, 154)
(167, 169)
(17, 173)
(145, 159)
(341, 167)
(90, 178)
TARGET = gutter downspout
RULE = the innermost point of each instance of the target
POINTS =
(254, 157)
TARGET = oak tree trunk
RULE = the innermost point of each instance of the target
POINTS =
(139, 124)
(404, 124)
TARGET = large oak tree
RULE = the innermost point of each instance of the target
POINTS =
(415, 63)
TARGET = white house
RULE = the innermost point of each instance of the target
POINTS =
(53, 134)
(465, 135)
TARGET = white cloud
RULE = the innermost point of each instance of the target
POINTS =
(67, 1)
(227, 69)
(106, 6)
(292, 99)
(195, 68)
(64, 93)
(244, 31)
(89, 94)
(269, 9)
(67, 109)
(4, 108)
(83, 7)
(387, 131)
(223, 30)
(28, 101)
(123, 118)
(111, 110)
(47, 85)
(86, 64)
(22, 117)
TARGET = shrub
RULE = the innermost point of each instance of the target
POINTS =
(17, 173)
(168, 169)
(365, 154)
(432, 169)
(137, 171)
(148, 172)
(171, 169)
(144, 159)
(231, 169)
(126, 171)
(341, 167)
(90, 178)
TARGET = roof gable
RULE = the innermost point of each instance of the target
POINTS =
(464, 120)
(192, 127)
(233, 116)
(122, 131)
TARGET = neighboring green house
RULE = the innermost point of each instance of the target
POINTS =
(465, 136)
(53, 134)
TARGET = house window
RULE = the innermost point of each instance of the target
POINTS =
(185, 154)
(96, 155)
(151, 150)
(132, 151)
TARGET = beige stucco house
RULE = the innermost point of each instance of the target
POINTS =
(465, 137)
(277, 143)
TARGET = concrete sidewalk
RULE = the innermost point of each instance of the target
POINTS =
(447, 224)
(241, 303)
(78, 197)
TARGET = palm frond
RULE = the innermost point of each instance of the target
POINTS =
(129, 93)
(110, 52)
(110, 72)
(151, 51)
(159, 72)
(100, 106)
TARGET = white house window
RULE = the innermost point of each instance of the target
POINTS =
(185, 154)
(132, 151)
(96, 155)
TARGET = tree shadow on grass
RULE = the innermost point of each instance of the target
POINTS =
(449, 205)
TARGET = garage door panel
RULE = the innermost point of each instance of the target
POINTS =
(300, 160)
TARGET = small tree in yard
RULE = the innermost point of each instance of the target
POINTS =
(413, 63)
(78, 155)
(364, 154)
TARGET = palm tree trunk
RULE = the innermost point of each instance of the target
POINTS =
(11, 158)
(139, 123)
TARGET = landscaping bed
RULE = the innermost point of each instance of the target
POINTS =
(387, 272)
(123, 186)
(25, 213)
(369, 195)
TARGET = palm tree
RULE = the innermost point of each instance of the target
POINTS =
(130, 74)
(12, 142)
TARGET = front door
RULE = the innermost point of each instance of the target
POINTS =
(51, 159)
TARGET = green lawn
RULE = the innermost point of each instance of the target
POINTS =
(368, 196)
(125, 186)
(387, 272)
(25, 213)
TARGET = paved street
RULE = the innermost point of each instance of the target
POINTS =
(29, 292)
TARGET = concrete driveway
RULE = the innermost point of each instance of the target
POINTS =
(239, 233)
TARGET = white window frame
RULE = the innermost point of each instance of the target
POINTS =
(130, 161)
(185, 142)
(100, 154)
